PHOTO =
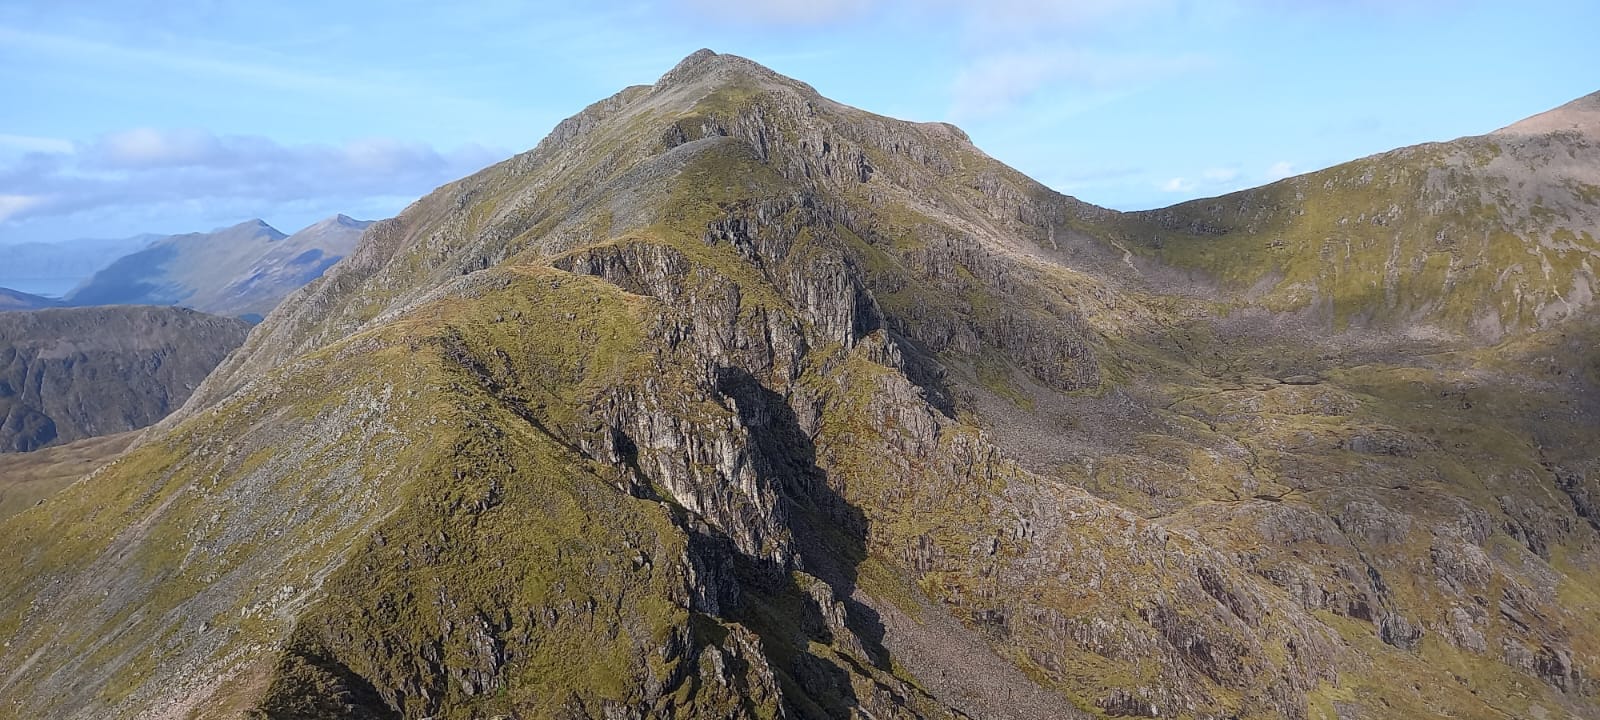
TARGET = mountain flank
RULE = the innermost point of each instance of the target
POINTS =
(27, 478)
(1478, 238)
(240, 271)
(727, 400)
(73, 373)
(14, 300)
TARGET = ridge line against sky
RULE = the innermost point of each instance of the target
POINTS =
(144, 116)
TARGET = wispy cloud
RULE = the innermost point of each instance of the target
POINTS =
(12, 205)
(1011, 50)
(995, 83)
(1279, 170)
(1215, 180)
(782, 12)
(1020, 49)
(104, 53)
(265, 72)
(1008, 17)
(1178, 185)
(145, 167)
(1013, 18)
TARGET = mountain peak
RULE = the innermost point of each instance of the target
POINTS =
(696, 64)
(705, 66)
(1581, 116)
(341, 220)
(254, 226)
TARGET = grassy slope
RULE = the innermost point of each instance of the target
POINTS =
(28, 478)
(1466, 237)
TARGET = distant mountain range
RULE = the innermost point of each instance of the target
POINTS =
(238, 271)
(53, 268)
(18, 300)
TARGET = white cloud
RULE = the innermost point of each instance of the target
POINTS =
(995, 83)
(147, 167)
(782, 12)
(1178, 185)
(142, 148)
(1279, 170)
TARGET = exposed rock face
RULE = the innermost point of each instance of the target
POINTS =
(730, 401)
(239, 271)
(75, 373)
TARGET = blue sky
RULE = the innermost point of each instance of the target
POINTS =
(141, 116)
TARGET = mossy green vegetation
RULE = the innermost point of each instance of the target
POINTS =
(1422, 236)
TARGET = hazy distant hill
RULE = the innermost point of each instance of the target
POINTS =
(17, 300)
(241, 271)
(54, 268)
(72, 373)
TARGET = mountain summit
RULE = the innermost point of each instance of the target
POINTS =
(727, 400)
(1581, 116)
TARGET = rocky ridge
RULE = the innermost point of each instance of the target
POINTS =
(802, 399)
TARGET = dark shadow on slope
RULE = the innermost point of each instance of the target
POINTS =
(127, 281)
(311, 687)
(926, 372)
(26, 430)
(830, 534)
(785, 611)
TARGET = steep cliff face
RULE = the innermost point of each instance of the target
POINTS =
(75, 373)
(730, 401)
